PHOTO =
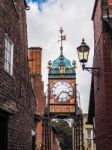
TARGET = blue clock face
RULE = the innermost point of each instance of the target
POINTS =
(62, 91)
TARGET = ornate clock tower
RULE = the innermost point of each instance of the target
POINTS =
(61, 84)
(62, 98)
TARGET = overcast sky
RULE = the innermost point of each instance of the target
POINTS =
(43, 25)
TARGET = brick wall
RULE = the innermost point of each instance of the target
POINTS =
(35, 60)
(103, 84)
(35, 56)
(97, 21)
(41, 106)
(110, 1)
(16, 94)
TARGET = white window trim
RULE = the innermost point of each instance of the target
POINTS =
(12, 54)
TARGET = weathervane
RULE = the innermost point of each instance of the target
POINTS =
(63, 37)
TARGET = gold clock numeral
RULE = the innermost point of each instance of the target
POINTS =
(72, 100)
(52, 100)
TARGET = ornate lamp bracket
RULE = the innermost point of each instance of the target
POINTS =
(93, 70)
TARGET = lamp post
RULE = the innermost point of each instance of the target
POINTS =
(83, 53)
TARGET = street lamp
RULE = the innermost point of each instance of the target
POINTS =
(83, 53)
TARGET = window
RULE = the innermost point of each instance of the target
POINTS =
(89, 137)
(89, 133)
(8, 60)
(89, 142)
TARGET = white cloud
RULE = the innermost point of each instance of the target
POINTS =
(75, 17)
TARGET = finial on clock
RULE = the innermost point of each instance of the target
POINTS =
(63, 37)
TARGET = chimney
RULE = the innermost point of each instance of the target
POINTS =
(34, 58)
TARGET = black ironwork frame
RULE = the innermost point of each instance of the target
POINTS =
(93, 70)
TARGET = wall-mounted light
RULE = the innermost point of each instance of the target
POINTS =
(83, 53)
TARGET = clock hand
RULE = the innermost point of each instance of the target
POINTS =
(59, 94)
(67, 93)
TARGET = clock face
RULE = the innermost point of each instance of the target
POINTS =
(62, 91)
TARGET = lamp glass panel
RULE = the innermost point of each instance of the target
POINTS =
(80, 54)
(85, 56)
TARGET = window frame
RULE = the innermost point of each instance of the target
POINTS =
(89, 143)
(8, 54)
(89, 133)
(89, 137)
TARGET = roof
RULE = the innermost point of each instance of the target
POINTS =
(35, 48)
(61, 63)
(94, 9)
(61, 60)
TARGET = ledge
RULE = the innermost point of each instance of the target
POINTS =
(9, 107)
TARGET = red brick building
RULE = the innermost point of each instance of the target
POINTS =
(100, 108)
(35, 65)
(17, 99)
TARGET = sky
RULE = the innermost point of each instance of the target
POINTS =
(44, 20)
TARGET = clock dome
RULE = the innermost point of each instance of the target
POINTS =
(61, 65)
(61, 60)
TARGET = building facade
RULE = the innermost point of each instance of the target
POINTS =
(100, 107)
(17, 99)
(88, 134)
(35, 65)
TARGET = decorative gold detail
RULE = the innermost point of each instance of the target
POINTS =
(52, 100)
(74, 65)
(62, 70)
(63, 37)
(72, 100)
(49, 65)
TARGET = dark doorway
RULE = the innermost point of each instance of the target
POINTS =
(3, 131)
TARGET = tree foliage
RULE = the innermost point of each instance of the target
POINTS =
(64, 133)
